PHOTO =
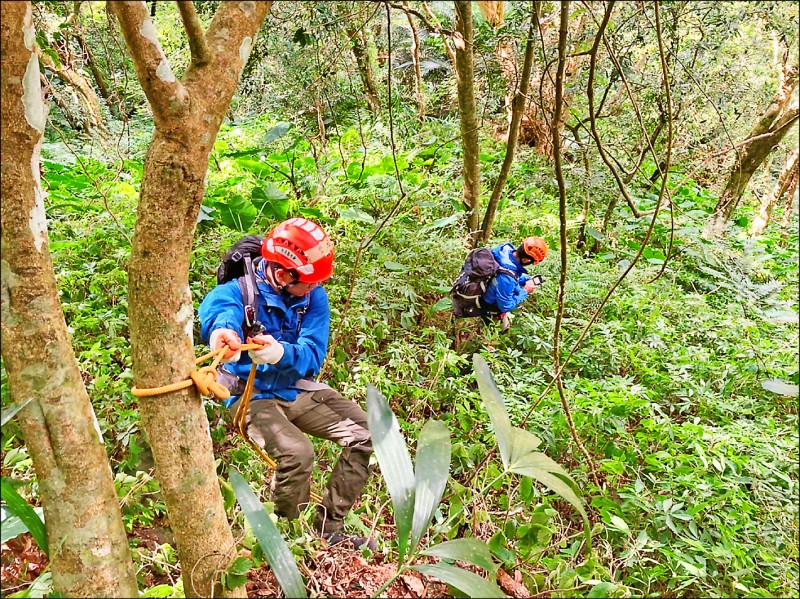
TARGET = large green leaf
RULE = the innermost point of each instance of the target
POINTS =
(271, 201)
(518, 446)
(237, 213)
(357, 214)
(470, 550)
(258, 168)
(431, 473)
(540, 467)
(392, 453)
(269, 537)
(23, 510)
(467, 582)
(11, 526)
(276, 132)
(494, 405)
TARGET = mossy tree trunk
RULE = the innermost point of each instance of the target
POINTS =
(187, 116)
(89, 554)
(467, 110)
(774, 124)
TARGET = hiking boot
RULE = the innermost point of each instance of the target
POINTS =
(350, 541)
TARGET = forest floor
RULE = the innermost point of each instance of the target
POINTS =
(331, 572)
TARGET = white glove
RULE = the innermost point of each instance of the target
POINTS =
(227, 337)
(271, 353)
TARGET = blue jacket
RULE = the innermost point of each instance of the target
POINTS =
(506, 292)
(300, 324)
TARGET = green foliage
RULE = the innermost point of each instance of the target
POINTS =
(19, 516)
(518, 446)
(683, 392)
(417, 493)
(270, 540)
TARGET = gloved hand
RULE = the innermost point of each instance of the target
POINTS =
(271, 353)
(227, 337)
(505, 320)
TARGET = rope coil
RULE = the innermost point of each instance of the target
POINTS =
(205, 379)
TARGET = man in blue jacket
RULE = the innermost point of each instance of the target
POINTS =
(506, 291)
(287, 402)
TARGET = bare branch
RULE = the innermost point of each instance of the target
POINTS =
(195, 33)
(426, 21)
(167, 96)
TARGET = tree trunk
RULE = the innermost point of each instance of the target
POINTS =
(787, 181)
(97, 74)
(366, 68)
(465, 79)
(187, 116)
(766, 135)
(418, 86)
(94, 118)
(518, 107)
(89, 553)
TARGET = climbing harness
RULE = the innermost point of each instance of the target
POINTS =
(205, 379)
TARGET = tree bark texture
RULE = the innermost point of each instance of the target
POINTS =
(89, 553)
(419, 92)
(467, 110)
(787, 183)
(771, 128)
(518, 107)
(94, 118)
(366, 69)
(187, 114)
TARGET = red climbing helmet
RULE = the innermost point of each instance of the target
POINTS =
(535, 248)
(302, 246)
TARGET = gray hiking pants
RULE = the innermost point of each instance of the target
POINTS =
(280, 427)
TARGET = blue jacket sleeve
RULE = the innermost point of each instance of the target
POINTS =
(304, 357)
(222, 308)
(509, 293)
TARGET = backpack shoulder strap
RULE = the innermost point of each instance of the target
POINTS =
(249, 289)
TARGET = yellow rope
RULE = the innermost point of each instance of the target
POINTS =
(205, 379)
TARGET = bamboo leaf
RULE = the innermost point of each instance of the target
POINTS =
(470, 550)
(269, 537)
(392, 453)
(431, 474)
(23, 510)
(494, 406)
(467, 582)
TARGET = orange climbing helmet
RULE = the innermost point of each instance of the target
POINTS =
(534, 248)
(301, 246)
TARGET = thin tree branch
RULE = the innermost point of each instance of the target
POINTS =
(426, 21)
(664, 188)
(562, 214)
(195, 33)
(592, 118)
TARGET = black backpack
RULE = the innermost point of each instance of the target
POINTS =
(478, 270)
(240, 263)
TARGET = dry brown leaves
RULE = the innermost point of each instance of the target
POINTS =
(22, 562)
(341, 572)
